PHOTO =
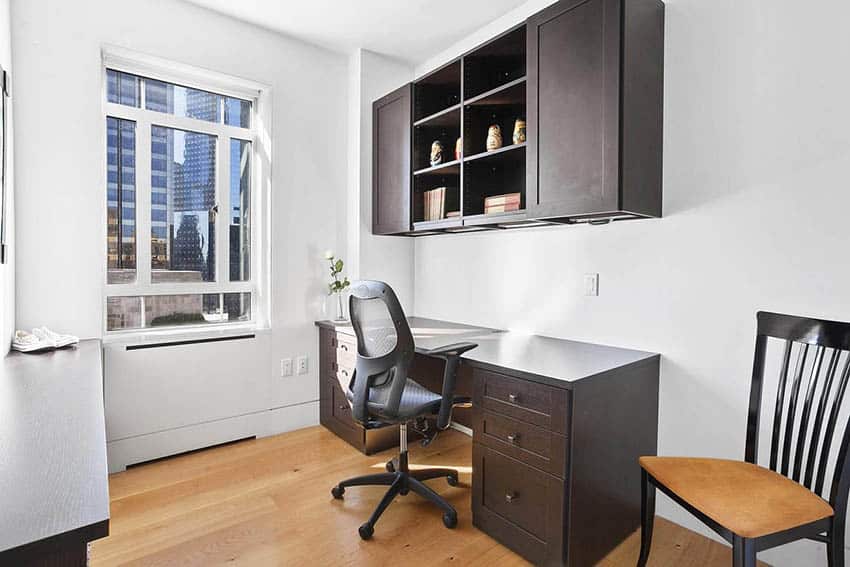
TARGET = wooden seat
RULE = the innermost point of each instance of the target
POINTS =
(749, 500)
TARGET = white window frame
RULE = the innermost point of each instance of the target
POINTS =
(120, 59)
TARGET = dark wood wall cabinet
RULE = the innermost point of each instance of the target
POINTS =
(587, 78)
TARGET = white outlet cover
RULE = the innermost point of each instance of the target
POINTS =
(286, 367)
(591, 285)
(302, 365)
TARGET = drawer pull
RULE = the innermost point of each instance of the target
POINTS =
(513, 398)
(343, 407)
(513, 438)
(344, 373)
(343, 346)
(510, 497)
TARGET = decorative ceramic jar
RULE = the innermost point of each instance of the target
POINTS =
(494, 137)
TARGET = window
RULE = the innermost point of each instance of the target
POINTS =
(179, 241)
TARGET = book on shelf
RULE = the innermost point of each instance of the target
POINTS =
(506, 208)
(506, 199)
(435, 204)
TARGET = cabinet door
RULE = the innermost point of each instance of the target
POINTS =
(573, 108)
(391, 131)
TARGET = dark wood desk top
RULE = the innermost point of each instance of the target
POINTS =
(53, 475)
(545, 359)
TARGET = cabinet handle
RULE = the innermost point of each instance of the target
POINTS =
(343, 347)
(344, 372)
(513, 398)
(343, 407)
(513, 438)
(510, 497)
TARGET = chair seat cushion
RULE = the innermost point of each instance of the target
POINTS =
(416, 400)
(749, 500)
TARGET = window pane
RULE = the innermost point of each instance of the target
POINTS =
(120, 201)
(182, 101)
(240, 203)
(122, 88)
(182, 205)
(177, 310)
(123, 313)
(196, 309)
(237, 112)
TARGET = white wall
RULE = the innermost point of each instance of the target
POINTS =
(7, 271)
(756, 161)
(59, 155)
(385, 258)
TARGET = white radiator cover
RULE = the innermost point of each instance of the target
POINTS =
(171, 398)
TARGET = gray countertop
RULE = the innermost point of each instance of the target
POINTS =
(551, 359)
(53, 475)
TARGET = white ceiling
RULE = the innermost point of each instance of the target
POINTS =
(413, 30)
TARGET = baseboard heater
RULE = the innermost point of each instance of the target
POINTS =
(188, 342)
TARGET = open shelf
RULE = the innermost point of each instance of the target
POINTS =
(491, 177)
(503, 106)
(509, 93)
(437, 91)
(496, 63)
(448, 168)
(519, 155)
(445, 117)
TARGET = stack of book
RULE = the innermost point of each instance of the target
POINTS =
(502, 203)
(435, 204)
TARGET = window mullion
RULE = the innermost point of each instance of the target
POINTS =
(143, 202)
(222, 199)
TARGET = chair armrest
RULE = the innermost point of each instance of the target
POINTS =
(451, 354)
(455, 349)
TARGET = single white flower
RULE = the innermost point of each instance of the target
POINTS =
(329, 254)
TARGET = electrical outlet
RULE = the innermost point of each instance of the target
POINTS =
(286, 367)
(302, 365)
(591, 285)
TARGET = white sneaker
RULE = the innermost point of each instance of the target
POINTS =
(26, 342)
(56, 339)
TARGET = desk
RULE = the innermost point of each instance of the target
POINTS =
(54, 491)
(558, 427)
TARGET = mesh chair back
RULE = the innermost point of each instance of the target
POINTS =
(385, 350)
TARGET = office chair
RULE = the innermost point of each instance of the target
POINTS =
(381, 393)
(804, 492)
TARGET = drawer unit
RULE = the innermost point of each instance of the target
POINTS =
(537, 404)
(528, 443)
(519, 505)
(337, 358)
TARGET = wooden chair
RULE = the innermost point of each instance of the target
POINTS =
(756, 508)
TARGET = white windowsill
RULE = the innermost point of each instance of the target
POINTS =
(138, 336)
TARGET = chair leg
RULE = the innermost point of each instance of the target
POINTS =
(380, 479)
(835, 547)
(743, 552)
(425, 491)
(369, 526)
(647, 517)
(428, 474)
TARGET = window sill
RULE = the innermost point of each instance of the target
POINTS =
(139, 336)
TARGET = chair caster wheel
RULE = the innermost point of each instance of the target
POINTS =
(452, 480)
(390, 466)
(337, 492)
(450, 520)
(366, 531)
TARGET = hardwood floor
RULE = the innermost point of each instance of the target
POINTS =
(267, 502)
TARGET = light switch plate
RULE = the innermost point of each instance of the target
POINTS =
(301, 365)
(591, 285)
(286, 367)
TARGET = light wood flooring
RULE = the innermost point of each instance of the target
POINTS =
(267, 502)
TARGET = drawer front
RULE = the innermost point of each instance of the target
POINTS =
(340, 410)
(528, 443)
(521, 507)
(537, 404)
(345, 351)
